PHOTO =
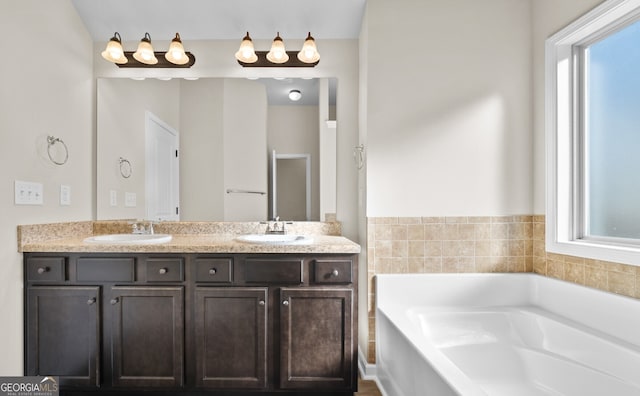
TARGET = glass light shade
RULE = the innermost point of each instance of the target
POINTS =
(144, 53)
(309, 52)
(277, 54)
(246, 53)
(114, 52)
(176, 54)
(295, 95)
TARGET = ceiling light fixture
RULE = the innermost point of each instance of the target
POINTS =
(114, 52)
(278, 56)
(145, 56)
(295, 95)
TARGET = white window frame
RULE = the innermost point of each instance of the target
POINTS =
(562, 124)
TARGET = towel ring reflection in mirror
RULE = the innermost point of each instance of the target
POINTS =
(125, 168)
(358, 155)
(51, 143)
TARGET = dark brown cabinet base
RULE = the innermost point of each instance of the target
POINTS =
(192, 324)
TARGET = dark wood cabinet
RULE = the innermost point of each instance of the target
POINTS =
(147, 336)
(231, 335)
(63, 334)
(192, 324)
(316, 338)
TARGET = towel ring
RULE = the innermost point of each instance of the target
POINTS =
(125, 168)
(51, 141)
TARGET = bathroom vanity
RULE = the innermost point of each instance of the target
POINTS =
(196, 321)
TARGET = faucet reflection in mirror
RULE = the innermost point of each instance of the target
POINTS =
(145, 56)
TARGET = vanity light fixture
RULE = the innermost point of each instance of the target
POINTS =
(145, 56)
(309, 52)
(145, 53)
(278, 56)
(176, 54)
(114, 52)
(246, 53)
(295, 95)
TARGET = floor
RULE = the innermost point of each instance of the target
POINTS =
(367, 388)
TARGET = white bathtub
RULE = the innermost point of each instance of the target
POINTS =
(503, 334)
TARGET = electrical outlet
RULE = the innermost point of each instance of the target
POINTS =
(130, 200)
(65, 195)
(113, 198)
(28, 193)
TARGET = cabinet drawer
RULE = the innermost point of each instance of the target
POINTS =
(165, 269)
(214, 270)
(106, 269)
(47, 269)
(273, 271)
(333, 271)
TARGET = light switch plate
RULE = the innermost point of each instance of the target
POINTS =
(65, 195)
(28, 193)
(130, 200)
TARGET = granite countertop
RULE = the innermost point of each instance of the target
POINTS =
(69, 237)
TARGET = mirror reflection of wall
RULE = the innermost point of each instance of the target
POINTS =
(226, 129)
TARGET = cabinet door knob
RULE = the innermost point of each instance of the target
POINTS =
(335, 272)
(114, 301)
(91, 301)
(42, 270)
(212, 271)
(163, 271)
(285, 303)
(261, 303)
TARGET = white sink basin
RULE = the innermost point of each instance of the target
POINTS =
(276, 239)
(129, 239)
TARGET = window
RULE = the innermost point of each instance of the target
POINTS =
(593, 135)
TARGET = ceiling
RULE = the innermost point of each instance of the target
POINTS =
(228, 20)
(221, 19)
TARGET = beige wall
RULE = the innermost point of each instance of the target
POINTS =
(448, 107)
(47, 89)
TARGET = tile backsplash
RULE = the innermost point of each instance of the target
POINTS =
(479, 244)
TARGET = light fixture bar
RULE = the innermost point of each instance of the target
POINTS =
(263, 62)
(162, 61)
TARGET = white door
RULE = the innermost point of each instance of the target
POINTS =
(162, 193)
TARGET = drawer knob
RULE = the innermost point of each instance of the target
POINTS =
(335, 272)
(42, 270)
(212, 271)
(163, 271)
(261, 303)
(91, 301)
(114, 301)
(285, 303)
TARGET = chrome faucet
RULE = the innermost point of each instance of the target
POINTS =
(275, 227)
(139, 228)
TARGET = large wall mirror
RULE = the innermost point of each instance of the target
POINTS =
(201, 150)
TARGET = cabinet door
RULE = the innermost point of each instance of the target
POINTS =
(231, 335)
(316, 339)
(63, 334)
(147, 336)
